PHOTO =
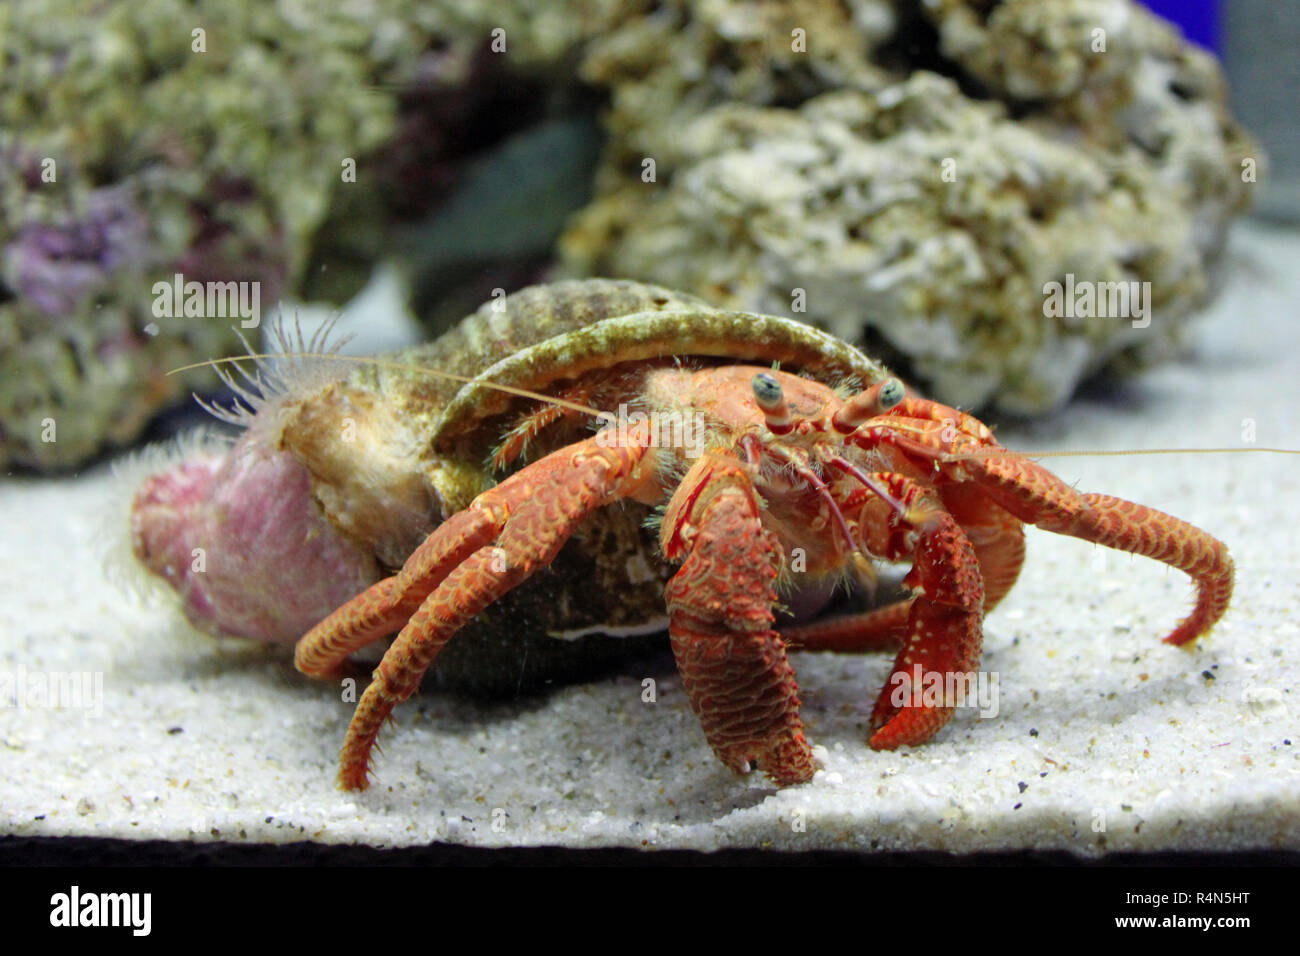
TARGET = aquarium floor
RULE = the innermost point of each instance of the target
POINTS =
(1105, 738)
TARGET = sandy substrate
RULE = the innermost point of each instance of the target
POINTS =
(1104, 739)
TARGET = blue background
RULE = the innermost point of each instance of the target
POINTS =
(1198, 19)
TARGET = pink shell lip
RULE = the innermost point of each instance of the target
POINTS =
(244, 544)
(159, 517)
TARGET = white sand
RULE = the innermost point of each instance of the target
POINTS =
(1099, 722)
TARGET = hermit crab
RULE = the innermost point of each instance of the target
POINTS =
(767, 456)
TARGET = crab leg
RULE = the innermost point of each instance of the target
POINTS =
(997, 536)
(387, 605)
(880, 629)
(732, 661)
(1033, 494)
(505, 535)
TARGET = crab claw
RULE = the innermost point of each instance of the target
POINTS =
(733, 663)
(944, 633)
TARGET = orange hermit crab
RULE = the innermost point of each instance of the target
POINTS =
(784, 464)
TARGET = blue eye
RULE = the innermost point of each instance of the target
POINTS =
(891, 393)
(767, 390)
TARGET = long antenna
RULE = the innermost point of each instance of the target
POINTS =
(594, 412)
(386, 363)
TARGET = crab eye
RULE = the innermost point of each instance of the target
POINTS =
(891, 393)
(767, 391)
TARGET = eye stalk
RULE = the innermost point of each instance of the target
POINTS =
(770, 398)
(876, 400)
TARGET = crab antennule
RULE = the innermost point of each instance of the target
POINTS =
(874, 487)
(807, 474)
(867, 404)
(753, 449)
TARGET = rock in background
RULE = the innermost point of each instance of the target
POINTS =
(797, 145)
(134, 149)
(209, 138)
(856, 187)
